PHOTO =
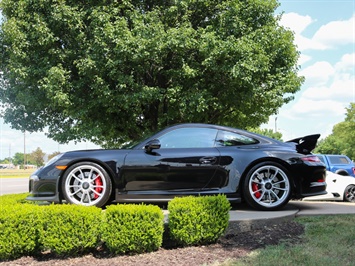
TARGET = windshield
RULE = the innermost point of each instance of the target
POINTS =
(129, 145)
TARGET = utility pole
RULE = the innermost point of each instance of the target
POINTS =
(24, 150)
(10, 159)
(24, 144)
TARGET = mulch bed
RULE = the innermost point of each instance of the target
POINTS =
(230, 246)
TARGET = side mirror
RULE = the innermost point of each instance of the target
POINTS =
(152, 145)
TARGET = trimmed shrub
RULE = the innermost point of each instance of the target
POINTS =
(27, 229)
(70, 229)
(12, 199)
(19, 225)
(132, 228)
(198, 220)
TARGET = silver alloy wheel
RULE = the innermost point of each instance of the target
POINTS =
(85, 185)
(349, 194)
(269, 186)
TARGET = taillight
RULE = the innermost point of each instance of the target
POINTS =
(354, 170)
(311, 158)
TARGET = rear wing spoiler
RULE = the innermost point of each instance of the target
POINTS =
(305, 144)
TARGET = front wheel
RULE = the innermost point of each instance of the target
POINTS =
(87, 184)
(267, 186)
(349, 193)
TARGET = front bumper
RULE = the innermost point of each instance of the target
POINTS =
(43, 189)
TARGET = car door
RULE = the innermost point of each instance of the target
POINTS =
(185, 161)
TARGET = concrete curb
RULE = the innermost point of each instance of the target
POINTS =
(242, 218)
(248, 220)
(245, 219)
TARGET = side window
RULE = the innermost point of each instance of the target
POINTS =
(189, 138)
(226, 138)
(338, 160)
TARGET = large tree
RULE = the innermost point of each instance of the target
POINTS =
(108, 71)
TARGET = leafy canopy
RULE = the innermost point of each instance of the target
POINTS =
(108, 71)
(342, 139)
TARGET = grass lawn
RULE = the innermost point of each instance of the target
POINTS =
(15, 173)
(328, 240)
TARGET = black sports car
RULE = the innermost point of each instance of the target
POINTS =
(186, 159)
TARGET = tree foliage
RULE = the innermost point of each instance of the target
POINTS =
(37, 157)
(18, 158)
(108, 71)
(50, 156)
(267, 132)
(6, 160)
(342, 139)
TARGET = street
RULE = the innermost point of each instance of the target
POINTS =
(13, 185)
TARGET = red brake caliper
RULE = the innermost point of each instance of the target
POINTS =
(98, 184)
(255, 188)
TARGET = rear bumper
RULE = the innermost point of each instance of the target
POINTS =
(309, 180)
(314, 185)
(315, 192)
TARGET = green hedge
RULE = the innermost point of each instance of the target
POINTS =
(70, 229)
(12, 199)
(132, 228)
(198, 220)
(19, 230)
(28, 229)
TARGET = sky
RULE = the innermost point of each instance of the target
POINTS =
(325, 36)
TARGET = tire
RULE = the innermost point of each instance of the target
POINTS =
(87, 184)
(267, 186)
(349, 193)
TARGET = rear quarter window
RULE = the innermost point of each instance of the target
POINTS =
(226, 138)
(338, 160)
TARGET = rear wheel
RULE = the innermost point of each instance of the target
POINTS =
(349, 193)
(86, 183)
(267, 186)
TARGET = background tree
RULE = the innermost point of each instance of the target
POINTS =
(37, 157)
(6, 160)
(267, 132)
(109, 71)
(342, 139)
(329, 145)
(50, 156)
(18, 158)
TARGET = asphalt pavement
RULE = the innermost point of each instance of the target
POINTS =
(13, 185)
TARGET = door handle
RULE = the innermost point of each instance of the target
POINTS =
(208, 160)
